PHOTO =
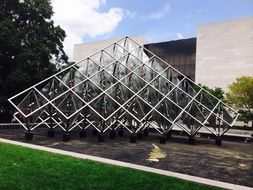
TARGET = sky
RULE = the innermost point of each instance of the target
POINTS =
(155, 20)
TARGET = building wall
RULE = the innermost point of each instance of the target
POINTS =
(224, 52)
(180, 54)
(81, 51)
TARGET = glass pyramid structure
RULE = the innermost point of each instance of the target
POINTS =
(123, 86)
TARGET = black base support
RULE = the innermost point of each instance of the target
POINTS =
(120, 132)
(112, 134)
(101, 137)
(94, 132)
(28, 136)
(163, 139)
(132, 138)
(218, 141)
(66, 137)
(51, 133)
(145, 132)
(191, 140)
(82, 134)
(168, 135)
(139, 136)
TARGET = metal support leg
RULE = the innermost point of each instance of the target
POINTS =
(168, 135)
(66, 136)
(145, 132)
(121, 133)
(139, 136)
(132, 138)
(101, 137)
(163, 139)
(51, 133)
(28, 135)
(94, 132)
(112, 134)
(218, 141)
(82, 133)
(191, 140)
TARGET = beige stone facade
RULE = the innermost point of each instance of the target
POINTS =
(81, 51)
(224, 52)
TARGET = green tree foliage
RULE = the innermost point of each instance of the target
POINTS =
(31, 47)
(216, 91)
(240, 95)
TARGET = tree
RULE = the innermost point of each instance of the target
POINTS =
(31, 47)
(240, 95)
(216, 91)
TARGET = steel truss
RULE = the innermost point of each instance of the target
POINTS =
(123, 86)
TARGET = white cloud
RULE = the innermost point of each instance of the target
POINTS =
(131, 14)
(81, 18)
(158, 14)
(180, 36)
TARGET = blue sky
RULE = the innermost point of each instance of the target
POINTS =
(155, 20)
(180, 19)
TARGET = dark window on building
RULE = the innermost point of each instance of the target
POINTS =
(180, 54)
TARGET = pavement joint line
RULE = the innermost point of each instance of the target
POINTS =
(195, 179)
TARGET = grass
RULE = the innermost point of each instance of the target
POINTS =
(24, 168)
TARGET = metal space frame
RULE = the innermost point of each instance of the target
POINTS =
(123, 86)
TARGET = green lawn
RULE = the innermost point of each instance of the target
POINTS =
(24, 168)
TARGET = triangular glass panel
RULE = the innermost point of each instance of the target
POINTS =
(31, 103)
(130, 61)
(102, 58)
(179, 97)
(120, 93)
(116, 51)
(207, 100)
(128, 44)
